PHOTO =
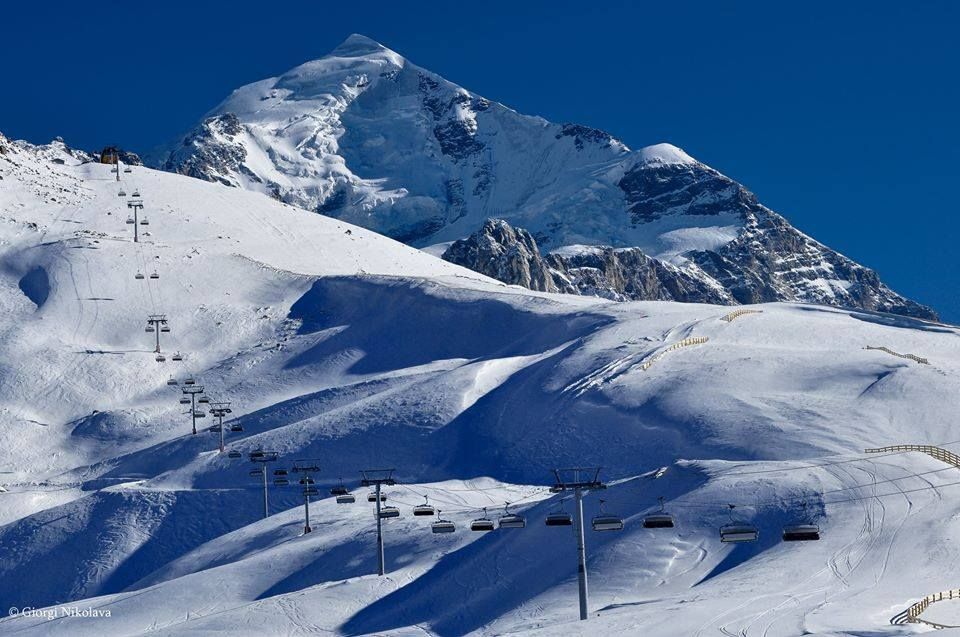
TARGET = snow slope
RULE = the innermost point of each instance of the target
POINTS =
(335, 343)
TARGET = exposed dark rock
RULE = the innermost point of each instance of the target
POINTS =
(750, 269)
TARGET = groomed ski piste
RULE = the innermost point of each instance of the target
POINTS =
(335, 343)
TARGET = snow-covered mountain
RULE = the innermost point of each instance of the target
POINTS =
(365, 136)
(335, 343)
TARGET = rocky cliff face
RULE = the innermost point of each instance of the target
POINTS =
(739, 272)
(364, 135)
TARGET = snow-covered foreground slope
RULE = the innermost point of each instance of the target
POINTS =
(335, 343)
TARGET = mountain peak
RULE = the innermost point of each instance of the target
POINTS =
(357, 45)
(664, 154)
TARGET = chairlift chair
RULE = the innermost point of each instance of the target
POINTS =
(136, 193)
(130, 221)
(482, 524)
(199, 414)
(173, 381)
(190, 381)
(511, 520)
(177, 357)
(801, 531)
(164, 328)
(203, 399)
(236, 427)
(660, 520)
(256, 473)
(424, 509)
(281, 482)
(389, 512)
(306, 480)
(184, 401)
(738, 532)
(347, 498)
(559, 517)
(128, 169)
(606, 521)
(372, 497)
(154, 275)
(149, 329)
(214, 429)
(139, 276)
(234, 454)
(442, 526)
(144, 222)
(121, 194)
(338, 491)
(311, 491)
(280, 472)
(161, 358)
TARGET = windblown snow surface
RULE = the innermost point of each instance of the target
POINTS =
(333, 342)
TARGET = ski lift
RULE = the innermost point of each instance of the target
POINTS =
(154, 275)
(184, 401)
(136, 193)
(173, 381)
(199, 414)
(203, 399)
(149, 329)
(177, 356)
(423, 509)
(738, 533)
(801, 531)
(605, 521)
(144, 222)
(214, 429)
(311, 491)
(121, 194)
(559, 517)
(511, 520)
(256, 473)
(442, 526)
(280, 472)
(339, 490)
(236, 427)
(482, 524)
(128, 169)
(372, 497)
(161, 358)
(234, 454)
(164, 328)
(661, 520)
(190, 381)
(130, 221)
(139, 276)
(281, 482)
(389, 512)
(347, 498)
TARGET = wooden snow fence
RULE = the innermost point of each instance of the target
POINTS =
(690, 340)
(738, 313)
(912, 357)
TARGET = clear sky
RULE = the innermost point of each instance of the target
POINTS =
(843, 116)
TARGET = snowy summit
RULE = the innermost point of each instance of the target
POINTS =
(365, 136)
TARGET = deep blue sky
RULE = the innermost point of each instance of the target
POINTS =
(843, 116)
